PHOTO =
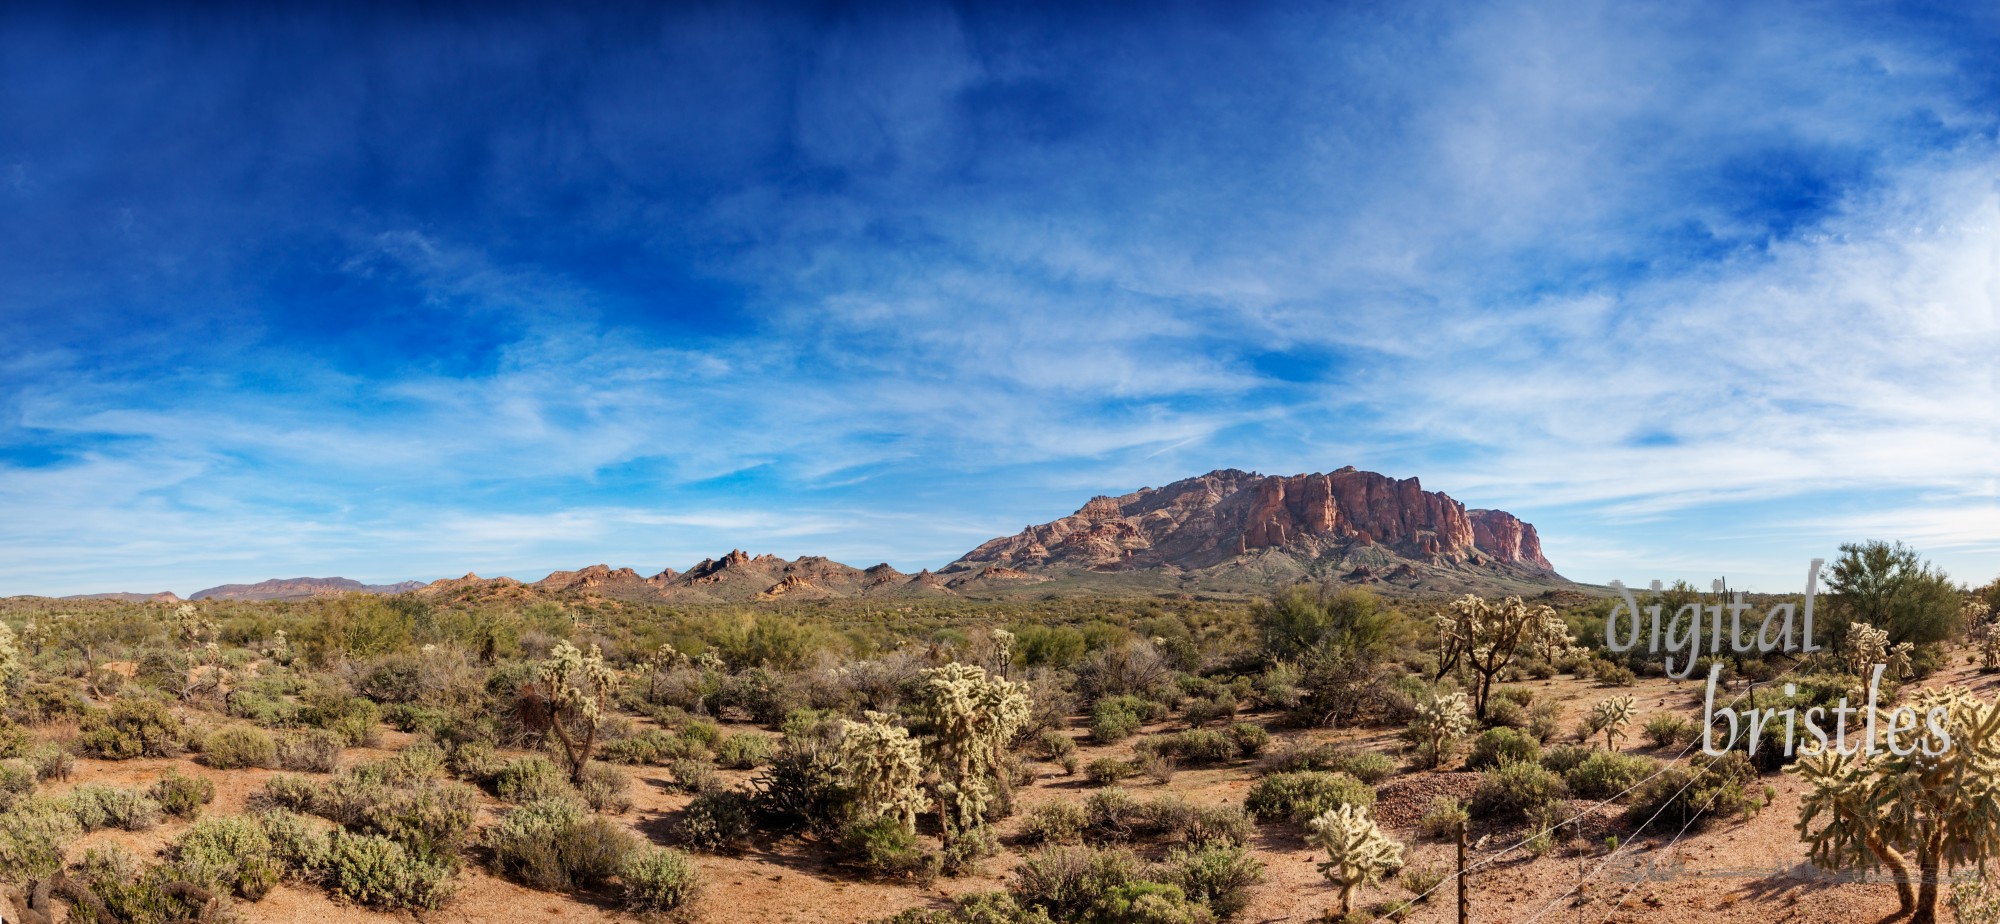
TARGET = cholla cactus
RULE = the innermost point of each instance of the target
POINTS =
(280, 648)
(884, 767)
(1989, 652)
(973, 715)
(1866, 645)
(1485, 637)
(13, 670)
(1550, 639)
(192, 627)
(1440, 722)
(1003, 648)
(1357, 852)
(710, 661)
(1940, 810)
(568, 698)
(1611, 716)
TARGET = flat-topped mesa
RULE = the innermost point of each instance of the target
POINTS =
(1206, 521)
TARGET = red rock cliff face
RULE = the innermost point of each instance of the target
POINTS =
(1505, 537)
(1201, 522)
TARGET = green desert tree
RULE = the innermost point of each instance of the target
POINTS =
(1892, 588)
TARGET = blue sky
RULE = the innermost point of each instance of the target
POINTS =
(1699, 289)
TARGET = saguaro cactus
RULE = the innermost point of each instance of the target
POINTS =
(1357, 852)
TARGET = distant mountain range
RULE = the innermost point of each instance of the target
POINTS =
(1227, 531)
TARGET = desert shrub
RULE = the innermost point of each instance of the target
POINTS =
(1514, 790)
(1545, 720)
(1105, 771)
(310, 751)
(694, 775)
(474, 761)
(1196, 746)
(132, 727)
(1305, 794)
(1420, 880)
(237, 747)
(975, 908)
(1605, 774)
(1250, 739)
(1496, 746)
(287, 793)
(652, 746)
(17, 781)
(1218, 876)
(1615, 675)
(42, 703)
(410, 717)
(353, 718)
(1519, 696)
(658, 881)
(33, 837)
(1068, 882)
(745, 751)
(112, 807)
(716, 821)
(1667, 729)
(882, 846)
(1442, 818)
(1060, 822)
(555, 844)
(1367, 766)
(372, 870)
(1566, 757)
(1113, 814)
(1213, 824)
(532, 779)
(182, 796)
(1146, 902)
(1692, 794)
(1506, 713)
(431, 821)
(1054, 744)
(50, 761)
(228, 854)
(1220, 706)
(301, 846)
(1110, 724)
(605, 789)
(128, 890)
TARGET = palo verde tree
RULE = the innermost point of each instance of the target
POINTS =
(568, 698)
(1302, 619)
(1357, 852)
(1484, 638)
(972, 716)
(1893, 589)
(1931, 811)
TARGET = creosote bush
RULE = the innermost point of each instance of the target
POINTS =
(182, 796)
(132, 727)
(658, 881)
(1304, 795)
(555, 844)
(1516, 790)
(310, 751)
(237, 747)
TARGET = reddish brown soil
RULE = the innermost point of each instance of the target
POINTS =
(788, 880)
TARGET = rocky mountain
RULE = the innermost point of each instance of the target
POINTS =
(1226, 531)
(299, 589)
(1233, 527)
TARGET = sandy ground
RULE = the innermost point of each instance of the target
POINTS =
(1739, 870)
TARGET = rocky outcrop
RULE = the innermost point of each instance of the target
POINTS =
(1503, 536)
(165, 596)
(1359, 519)
(589, 579)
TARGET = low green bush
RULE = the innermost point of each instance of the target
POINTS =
(1195, 746)
(658, 881)
(1105, 771)
(314, 750)
(372, 870)
(1305, 794)
(1059, 822)
(228, 853)
(1516, 790)
(556, 844)
(1250, 739)
(182, 796)
(881, 846)
(1497, 746)
(1605, 774)
(17, 782)
(716, 821)
(1669, 729)
(132, 727)
(743, 751)
(532, 779)
(1219, 876)
(34, 835)
(97, 806)
(237, 747)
